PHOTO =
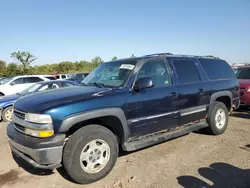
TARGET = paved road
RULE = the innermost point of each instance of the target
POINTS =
(195, 160)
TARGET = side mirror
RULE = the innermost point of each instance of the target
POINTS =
(12, 83)
(143, 83)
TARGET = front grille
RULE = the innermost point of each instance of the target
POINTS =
(19, 127)
(19, 114)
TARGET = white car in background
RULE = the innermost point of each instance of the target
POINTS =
(16, 84)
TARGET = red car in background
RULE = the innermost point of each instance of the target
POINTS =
(243, 75)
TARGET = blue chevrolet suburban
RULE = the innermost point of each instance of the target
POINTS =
(129, 103)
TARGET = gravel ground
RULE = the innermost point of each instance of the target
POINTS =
(196, 160)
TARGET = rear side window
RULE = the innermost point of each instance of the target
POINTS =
(217, 69)
(51, 77)
(63, 76)
(33, 79)
(186, 71)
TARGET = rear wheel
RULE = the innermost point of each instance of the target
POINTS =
(7, 114)
(90, 154)
(218, 118)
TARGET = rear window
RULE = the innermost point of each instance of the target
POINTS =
(217, 69)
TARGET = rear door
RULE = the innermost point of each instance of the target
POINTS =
(192, 101)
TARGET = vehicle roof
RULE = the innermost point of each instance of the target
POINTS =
(20, 76)
(160, 55)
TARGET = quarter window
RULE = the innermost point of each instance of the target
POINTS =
(33, 79)
(186, 71)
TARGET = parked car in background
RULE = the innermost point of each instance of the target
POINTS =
(61, 76)
(243, 75)
(131, 103)
(78, 77)
(1, 78)
(6, 102)
(50, 77)
(16, 84)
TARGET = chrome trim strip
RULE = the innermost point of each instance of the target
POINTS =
(152, 117)
(193, 110)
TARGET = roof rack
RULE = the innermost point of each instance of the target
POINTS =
(181, 55)
(158, 54)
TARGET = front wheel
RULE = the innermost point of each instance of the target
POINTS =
(218, 118)
(7, 114)
(90, 154)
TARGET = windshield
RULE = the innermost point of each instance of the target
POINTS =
(112, 74)
(30, 89)
(243, 73)
(5, 80)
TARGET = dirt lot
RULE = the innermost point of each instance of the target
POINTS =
(195, 160)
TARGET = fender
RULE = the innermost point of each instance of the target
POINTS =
(216, 95)
(117, 112)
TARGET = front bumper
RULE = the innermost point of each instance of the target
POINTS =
(245, 99)
(40, 153)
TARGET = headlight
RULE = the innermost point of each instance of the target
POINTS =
(248, 90)
(38, 118)
(42, 128)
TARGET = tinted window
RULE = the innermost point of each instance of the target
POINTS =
(157, 71)
(243, 73)
(217, 69)
(186, 71)
(19, 81)
(51, 77)
(33, 79)
(63, 76)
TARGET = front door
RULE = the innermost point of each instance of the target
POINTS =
(153, 109)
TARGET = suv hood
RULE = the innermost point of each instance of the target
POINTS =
(40, 102)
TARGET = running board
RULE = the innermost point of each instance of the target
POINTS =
(152, 140)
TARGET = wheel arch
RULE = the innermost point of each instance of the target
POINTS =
(112, 118)
(224, 97)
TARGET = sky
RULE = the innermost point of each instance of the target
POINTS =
(63, 30)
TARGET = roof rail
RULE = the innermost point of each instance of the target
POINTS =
(158, 54)
(211, 56)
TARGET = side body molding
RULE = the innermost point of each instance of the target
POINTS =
(117, 112)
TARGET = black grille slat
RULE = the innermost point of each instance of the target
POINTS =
(19, 114)
(19, 127)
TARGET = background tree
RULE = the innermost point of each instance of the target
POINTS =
(25, 58)
(12, 69)
(2, 68)
(97, 60)
(114, 58)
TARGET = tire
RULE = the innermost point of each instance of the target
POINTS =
(217, 127)
(80, 144)
(5, 114)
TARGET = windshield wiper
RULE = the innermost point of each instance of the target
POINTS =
(97, 84)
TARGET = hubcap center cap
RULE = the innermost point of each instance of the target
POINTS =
(95, 155)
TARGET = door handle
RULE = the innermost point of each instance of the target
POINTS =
(201, 91)
(173, 95)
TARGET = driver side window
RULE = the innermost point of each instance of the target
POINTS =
(157, 71)
(19, 81)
